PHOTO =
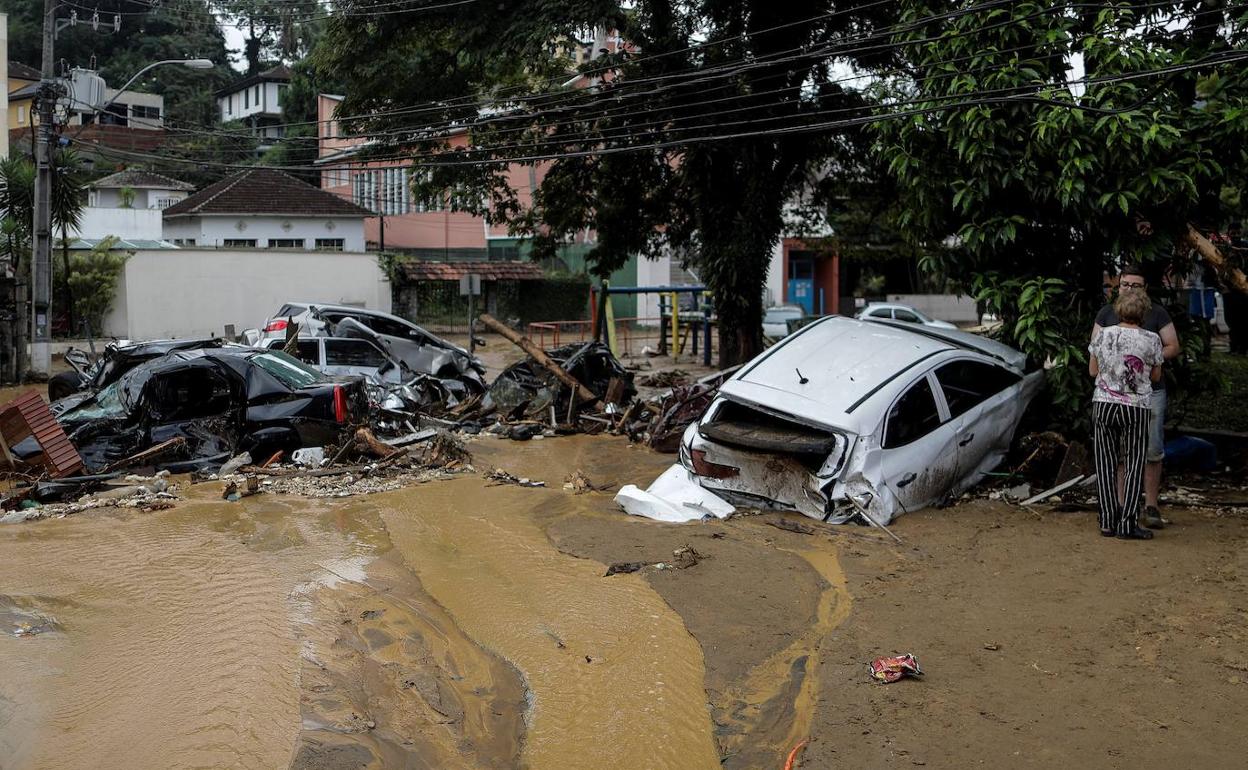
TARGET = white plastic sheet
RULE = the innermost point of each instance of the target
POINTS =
(673, 497)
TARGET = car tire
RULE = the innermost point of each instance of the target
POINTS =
(63, 384)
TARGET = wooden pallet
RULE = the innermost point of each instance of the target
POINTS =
(28, 415)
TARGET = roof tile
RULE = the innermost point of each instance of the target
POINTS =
(265, 191)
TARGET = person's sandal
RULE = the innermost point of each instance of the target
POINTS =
(1152, 518)
(1139, 533)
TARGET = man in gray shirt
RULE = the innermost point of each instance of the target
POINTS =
(1157, 321)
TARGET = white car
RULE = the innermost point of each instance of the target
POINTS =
(776, 320)
(844, 418)
(894, 312)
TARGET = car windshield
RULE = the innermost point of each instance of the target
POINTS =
(289, 371)
(781, 314)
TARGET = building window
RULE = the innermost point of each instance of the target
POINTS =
(93, 197)
(247, 99)
(331, 244)
(183, 241)
(145, 112)
(255, 95)
(434, 202)
(395, 191)
(239, 243)
(21, 115)
(114, 114)
(285, 243)
(364, 190)
(164, 203)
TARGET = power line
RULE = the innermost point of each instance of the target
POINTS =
(825, 126)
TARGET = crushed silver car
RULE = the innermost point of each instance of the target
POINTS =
(849, 418)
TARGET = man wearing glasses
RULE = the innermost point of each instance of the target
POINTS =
(1157, 320)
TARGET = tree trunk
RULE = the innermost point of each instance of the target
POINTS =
(1232, 277)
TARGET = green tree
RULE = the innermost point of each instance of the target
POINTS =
(92, 277)
(274, 29)
(1025, 188)
(630, 159)
(69, 198)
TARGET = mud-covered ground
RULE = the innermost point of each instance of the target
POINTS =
(465, 624)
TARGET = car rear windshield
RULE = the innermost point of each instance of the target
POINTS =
(288, 370)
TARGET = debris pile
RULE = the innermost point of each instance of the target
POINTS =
(64, 497)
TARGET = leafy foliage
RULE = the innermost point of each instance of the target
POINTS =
(1038, 186)
(92, 279)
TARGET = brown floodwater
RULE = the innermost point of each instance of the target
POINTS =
(436, 626)
(614, 678)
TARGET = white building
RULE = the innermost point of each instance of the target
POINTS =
(128, 205)
(266, 209)
(257, 102)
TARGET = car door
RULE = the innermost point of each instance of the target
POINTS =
(918, 455)
(984, 406)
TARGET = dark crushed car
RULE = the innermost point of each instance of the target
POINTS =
(221, 400)
(116, 360)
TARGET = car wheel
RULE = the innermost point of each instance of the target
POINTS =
(63, 384)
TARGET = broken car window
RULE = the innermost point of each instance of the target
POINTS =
(290, 372)
(340, 352)
(968, 383)
(188, 394)
(913, 416)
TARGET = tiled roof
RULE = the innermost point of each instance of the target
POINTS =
(419, 270)
(280, 74)
(23, 71)
(141, 180)
(265, 191)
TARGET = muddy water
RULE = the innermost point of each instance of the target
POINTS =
(615, 680)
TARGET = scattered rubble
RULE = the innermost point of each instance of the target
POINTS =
(579, 483)
(500, 477)
(153, 493)
(666, 379)
(683, 557)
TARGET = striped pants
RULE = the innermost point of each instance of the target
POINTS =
(1120, 434)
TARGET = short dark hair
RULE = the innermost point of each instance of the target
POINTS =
(1132, 268)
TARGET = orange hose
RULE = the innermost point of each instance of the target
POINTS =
(788, 765)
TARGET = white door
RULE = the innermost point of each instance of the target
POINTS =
(984, 403)
(918, 456)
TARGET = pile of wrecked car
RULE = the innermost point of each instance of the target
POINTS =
(843, 420)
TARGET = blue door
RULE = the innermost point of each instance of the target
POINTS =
(801, 290)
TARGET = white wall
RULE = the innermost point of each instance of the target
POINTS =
(942, 307)
(214, 230)
(195, 292)
(652, 272)
(775, 276)
(110, 197)
(135, 223)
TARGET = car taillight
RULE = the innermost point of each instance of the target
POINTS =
(276, 325)
(704, 467)
(340, 405)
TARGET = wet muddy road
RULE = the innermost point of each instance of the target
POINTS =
(452, 624)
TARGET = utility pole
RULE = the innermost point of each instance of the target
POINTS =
(41, 255)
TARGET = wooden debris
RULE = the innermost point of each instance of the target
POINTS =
(367, 442)
(537, 354)
(163, 448)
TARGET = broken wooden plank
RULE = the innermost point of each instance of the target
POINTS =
(162, 448)
(537, 354)
(1057, 490)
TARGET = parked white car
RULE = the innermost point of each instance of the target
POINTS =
(776, 320)
(891, 311)
(845, 417)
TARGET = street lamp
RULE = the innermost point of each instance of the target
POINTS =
(41, 262)
(195, 64)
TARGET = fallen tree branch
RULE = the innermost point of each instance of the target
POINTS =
(524, 343)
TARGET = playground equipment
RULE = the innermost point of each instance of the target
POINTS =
(670, 320)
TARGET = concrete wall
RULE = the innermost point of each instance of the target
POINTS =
(131, 224)
(4, 78)
(215, 230)
(942, 307)
(110, 197)
(196, 292)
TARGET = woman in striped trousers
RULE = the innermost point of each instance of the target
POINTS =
(1125, 360)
